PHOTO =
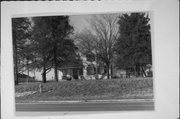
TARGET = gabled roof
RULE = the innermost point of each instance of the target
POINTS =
(71, 65)
(23, 76)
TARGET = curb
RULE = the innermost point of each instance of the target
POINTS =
(88, 101)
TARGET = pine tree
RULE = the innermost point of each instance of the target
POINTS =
(21, 30)
(61, 29)
(42, 44)
(53, 42)
(134, 43)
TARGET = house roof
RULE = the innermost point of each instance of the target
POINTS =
(71, 66)
(23, 76)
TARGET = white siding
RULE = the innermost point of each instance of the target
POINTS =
(49, 75)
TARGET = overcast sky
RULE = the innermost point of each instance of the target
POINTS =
(79, 22)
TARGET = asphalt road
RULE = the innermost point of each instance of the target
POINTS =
(87, 106)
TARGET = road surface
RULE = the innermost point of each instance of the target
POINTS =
(87, 106)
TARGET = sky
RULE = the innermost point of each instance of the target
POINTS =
(79, 21)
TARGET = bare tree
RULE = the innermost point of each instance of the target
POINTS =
(101, 37)
(86, 41)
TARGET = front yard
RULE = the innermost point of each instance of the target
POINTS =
(131, 88)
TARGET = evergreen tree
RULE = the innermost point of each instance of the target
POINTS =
(53, 42)
(61, 29)
(21, 30)
(134, 43)
(42, 44)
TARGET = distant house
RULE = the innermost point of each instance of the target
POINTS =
(86, 69)
(25, 78)
(93, 69)
(72, 70)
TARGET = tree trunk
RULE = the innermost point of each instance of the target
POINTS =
(138, 69)
(143, 71)
(111, 71)
(135, 71)
(16, 72)
(34, 74)
(108, 71)
(27, 71)
(15, 65)
(55, 63)
(97, 77)
(56, 73)
(44, 74)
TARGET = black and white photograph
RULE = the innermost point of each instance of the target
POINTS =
(92, 62)
(89, 60)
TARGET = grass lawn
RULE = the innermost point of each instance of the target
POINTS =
(138, 88)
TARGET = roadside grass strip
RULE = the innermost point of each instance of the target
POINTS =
(25, 93)
(131, 88)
